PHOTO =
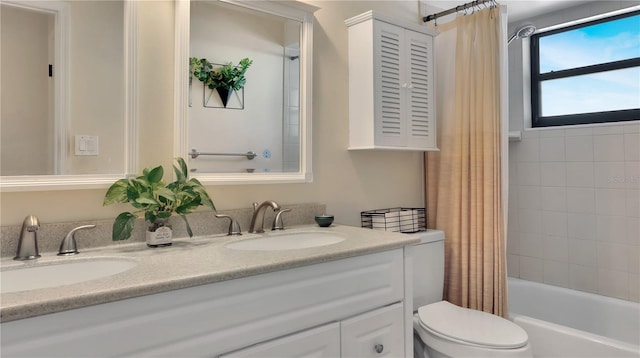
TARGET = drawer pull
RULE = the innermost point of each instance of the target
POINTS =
(379, 348)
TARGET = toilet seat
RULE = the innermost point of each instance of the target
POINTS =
(471, 327)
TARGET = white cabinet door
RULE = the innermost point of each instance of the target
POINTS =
(319, 342)
(420, 84)
(378, 333)
(391, 85)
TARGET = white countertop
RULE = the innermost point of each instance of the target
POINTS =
(188, 262)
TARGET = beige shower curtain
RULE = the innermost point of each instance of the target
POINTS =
(464, 180)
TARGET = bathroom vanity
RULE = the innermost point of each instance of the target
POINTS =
(201, 297)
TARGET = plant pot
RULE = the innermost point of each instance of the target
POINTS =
(159, 233)
(224, 94)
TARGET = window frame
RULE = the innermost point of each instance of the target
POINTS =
(537, 120)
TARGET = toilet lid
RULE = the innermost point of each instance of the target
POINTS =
(471, 326)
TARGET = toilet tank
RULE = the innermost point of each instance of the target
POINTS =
(427, 259)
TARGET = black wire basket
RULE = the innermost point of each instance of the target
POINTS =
(406, 220)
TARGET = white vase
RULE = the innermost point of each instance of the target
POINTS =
(159, 233)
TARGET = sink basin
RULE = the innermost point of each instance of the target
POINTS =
(287, 241)
(58, 274)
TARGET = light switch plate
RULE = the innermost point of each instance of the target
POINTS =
(86, 145)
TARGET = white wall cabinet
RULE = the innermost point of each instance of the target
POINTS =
(276, 312)
(391, 84)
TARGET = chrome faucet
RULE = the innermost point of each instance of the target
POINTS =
(278, 224)
(68, 246)
(258, 215)
(28, 242)
(234, 226)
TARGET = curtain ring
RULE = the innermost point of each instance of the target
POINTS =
(435, 20)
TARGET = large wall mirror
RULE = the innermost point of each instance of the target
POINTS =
(67, 117)
(258, 133)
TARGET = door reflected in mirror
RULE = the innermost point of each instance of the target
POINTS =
(66, 106)
(268, 115)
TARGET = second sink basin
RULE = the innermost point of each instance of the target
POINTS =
(58, 274)
(287, 241)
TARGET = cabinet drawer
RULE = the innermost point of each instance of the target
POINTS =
(318, 342)
(379, 333)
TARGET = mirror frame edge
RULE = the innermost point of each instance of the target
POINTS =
(289, 9)
(98, 181)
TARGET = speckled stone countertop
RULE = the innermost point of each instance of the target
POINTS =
(189, 262)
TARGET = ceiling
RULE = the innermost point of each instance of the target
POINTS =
(518, 9)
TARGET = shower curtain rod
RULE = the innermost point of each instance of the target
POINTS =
(456, 9)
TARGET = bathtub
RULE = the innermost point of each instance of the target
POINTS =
(562, 322)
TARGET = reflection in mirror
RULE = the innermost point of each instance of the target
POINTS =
(66, 117)
(27, 96)
(270, 115)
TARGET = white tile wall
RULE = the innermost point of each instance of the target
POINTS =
(580, 174)
(574, 208)
(579, 148)
(553, 174)
(581, 200)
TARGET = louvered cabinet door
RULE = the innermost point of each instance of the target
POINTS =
(419, 105)
(391, 84)
(390, 127)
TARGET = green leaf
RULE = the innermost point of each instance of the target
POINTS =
(155, 175)
(182, 172)
(146, 198)
(189, 204)
(117, 192)
(164, 214)
(139, 184)
(204, 197)
(123, 226)
(150, 216)
(166, 193)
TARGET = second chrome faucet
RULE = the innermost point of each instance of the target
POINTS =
(257, 221)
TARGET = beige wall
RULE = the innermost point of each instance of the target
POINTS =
(348, 182)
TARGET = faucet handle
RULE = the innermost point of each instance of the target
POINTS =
(234, 226)
(68, 246)
(278, 224)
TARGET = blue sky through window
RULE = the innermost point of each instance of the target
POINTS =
(600, 43)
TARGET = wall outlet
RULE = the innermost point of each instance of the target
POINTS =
(86, 145)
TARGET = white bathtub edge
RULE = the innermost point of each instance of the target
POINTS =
(549, 339)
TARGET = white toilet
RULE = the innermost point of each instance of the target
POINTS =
(443, 329)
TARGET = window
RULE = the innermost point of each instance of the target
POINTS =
(587, 73)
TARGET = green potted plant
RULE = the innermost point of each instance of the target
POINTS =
(224, 79)
(149, 195)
